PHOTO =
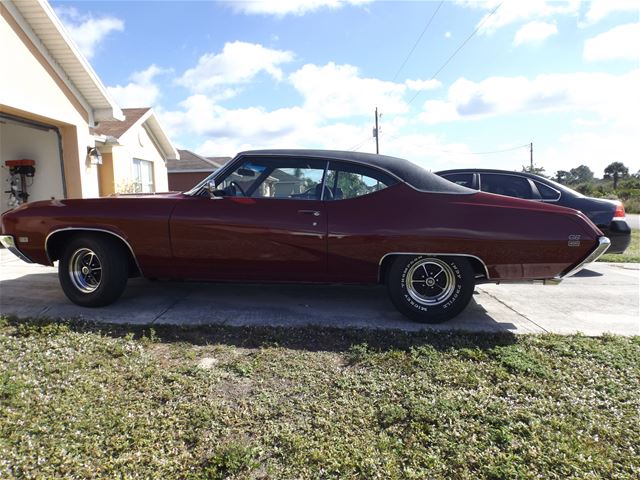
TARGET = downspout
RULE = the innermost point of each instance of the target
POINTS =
(60, 155)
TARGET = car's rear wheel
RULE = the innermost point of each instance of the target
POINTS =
(93, 270)
(430, 289)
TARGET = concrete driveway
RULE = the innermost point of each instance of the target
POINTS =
(634, 221)
(604, 298)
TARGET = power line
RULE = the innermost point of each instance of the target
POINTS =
(457, 50)
(417, 41)
(526, 145)
(358, 145)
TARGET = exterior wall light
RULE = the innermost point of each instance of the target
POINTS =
(94, 157)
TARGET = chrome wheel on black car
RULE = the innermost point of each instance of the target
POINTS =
(430, 289)
(93, 270)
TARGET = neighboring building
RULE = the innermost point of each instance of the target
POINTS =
(134, 152)
(50, 101)
(190, 169)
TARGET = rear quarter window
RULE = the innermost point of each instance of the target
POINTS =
(546, 192)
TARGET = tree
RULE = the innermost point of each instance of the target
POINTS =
(534, 169)
(581, 174)
(562, 176)
(616, 170)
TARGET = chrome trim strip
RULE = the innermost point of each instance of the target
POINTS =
(10, 244)
(603, 244)
(91, 229)
(486, 270)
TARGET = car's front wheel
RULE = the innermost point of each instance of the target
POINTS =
(93, 270)
(430, 289)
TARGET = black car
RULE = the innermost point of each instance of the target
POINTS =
(608, 215)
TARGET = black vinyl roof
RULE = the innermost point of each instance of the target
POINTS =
(409, 172)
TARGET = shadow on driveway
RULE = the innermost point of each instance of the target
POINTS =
(325, 316)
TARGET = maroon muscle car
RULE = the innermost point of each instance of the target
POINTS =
(309, 216)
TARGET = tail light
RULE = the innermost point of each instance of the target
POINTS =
(619, 213)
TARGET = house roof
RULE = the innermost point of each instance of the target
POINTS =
(142, 117)
(219, 161)
(40, 23)
(191, 162)
(115, 128)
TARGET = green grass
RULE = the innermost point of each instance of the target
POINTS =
(82, 401)
(630, 255)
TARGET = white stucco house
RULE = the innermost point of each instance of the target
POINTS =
(134, 153)
(52, 107)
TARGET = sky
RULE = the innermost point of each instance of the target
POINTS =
(458, 83)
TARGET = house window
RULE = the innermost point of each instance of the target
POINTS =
(143, 176)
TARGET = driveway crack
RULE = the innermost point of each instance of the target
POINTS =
(173, 304)
(515, 311)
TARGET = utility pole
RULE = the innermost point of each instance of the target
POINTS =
(531, 155)
(375, 133)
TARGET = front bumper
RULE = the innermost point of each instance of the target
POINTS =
(603, 245)
(10, 244)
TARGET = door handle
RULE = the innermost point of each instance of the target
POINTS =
(315, 213)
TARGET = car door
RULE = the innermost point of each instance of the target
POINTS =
(266, 222)
(466, 179)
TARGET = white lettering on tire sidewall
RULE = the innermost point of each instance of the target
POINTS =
(441, 307)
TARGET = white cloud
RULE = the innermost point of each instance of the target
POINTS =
(286, 7)
(238, 63)
(334, 91)
(535, 33)
(141, 91)
(597, 149)
(86, 30)
(600, 9)
(518, 11)
(609, 96)
(423, 84)
(619, 43)
(202, 115)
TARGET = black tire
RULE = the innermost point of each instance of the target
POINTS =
(93, 281)
(442, 286)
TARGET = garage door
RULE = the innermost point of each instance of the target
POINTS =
(23, 141)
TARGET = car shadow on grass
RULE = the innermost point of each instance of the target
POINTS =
(310, 338)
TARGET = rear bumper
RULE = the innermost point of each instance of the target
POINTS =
(10, 244)
(619, 233)
(603, 245)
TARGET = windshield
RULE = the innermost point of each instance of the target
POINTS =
(199, 186)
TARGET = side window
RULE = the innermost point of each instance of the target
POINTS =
(546, 192)
(284, 178)
(464, 179)
(509, 185)
(346, 180)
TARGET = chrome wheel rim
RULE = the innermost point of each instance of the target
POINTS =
(85, 270)
(430, 282)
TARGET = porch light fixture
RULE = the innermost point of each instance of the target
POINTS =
(94, 157)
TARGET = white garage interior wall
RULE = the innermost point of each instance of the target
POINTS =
(18, 142)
